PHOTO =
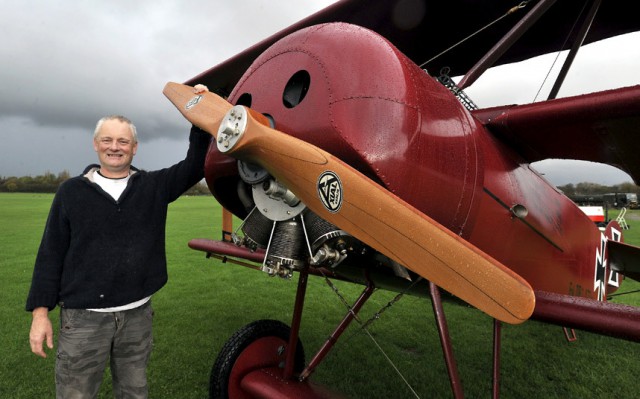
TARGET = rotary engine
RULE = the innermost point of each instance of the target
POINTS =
(291, 234)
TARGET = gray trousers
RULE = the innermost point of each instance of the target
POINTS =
(88, 339)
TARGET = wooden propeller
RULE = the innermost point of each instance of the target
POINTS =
(348, 199)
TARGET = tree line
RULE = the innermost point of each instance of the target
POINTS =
(49, 182)
(571, 190)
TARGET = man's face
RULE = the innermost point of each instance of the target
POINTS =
(115, 147)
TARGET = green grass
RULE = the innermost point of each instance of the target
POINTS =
(206, 301)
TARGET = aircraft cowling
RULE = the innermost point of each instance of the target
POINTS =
(369, 105)
(350, 92)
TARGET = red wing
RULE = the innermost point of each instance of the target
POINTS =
(422, 30)
(599, 127)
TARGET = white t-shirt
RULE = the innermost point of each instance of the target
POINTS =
(114, 187)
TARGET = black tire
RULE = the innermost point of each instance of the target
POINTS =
(227, 370)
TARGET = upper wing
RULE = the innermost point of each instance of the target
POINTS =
(599, 127)
(424, 29)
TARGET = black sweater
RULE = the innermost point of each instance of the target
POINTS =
(97, 252)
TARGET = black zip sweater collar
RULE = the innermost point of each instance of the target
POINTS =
(88, 174)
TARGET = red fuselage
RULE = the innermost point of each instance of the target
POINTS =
(353, 94)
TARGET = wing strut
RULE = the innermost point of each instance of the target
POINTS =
(584, 29)
(505, 43)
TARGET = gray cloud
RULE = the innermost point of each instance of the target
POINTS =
(66, 64)
(561, 172)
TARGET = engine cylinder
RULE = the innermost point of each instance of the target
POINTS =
(287, 247)
(257, 230)
(319, 230)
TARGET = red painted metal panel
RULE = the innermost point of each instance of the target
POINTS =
(267, 383)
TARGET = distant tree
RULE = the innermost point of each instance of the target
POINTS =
(568, 189)
(10, 184)
(200, 188)
(627, 187)
(49, 183)
(46, 183)
(586, 188)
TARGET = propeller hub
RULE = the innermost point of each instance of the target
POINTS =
(232, 128)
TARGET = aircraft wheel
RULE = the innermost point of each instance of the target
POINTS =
(257, 345)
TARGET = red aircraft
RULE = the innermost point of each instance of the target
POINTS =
(350, 153)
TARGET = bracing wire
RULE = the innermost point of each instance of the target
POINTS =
(555, 60)
(522, 4)
(368, 322)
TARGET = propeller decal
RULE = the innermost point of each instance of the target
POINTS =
(330, 191)
(193, 102)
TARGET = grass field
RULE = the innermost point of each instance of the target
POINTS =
(206, 301)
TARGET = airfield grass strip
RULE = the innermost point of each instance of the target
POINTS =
(206, 301)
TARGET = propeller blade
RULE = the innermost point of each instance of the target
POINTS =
(350, 200)
(206, 114)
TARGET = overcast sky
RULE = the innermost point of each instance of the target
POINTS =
(68, 63)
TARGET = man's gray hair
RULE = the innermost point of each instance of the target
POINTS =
(120, 118)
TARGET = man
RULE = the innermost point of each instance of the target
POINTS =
(102, 257)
